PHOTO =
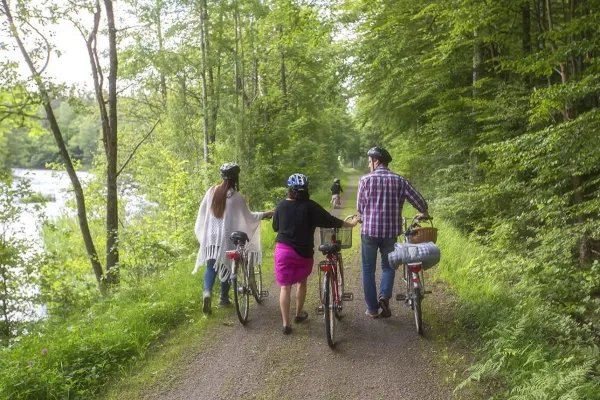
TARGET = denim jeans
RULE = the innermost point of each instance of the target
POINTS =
(369, 247)
(209, 279)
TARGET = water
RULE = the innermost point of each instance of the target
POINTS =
(54, 185)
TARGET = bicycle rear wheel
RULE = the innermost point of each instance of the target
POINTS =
(329, 308)
(241, 291)
(416, 306)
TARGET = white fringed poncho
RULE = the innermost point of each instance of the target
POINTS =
(213, 233)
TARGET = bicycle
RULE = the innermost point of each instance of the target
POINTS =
(413, 277)
(244, 277)
(336, 201)
(331, 277)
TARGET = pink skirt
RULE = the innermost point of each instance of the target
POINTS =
(290, 268)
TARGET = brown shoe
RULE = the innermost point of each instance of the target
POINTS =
(385, 307)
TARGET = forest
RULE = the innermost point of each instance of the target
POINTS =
(491, 108)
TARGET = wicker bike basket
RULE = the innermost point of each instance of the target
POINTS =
(342, 235)
(423, 234)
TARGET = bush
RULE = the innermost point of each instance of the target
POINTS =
(538, 350)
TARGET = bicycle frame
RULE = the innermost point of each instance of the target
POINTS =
(331, 265)
(413, 272)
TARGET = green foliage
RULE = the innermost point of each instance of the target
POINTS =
(31, 145)
(492, 109)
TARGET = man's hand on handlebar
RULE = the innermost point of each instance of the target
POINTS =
(423, 216)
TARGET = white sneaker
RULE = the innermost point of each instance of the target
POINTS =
(206, 300)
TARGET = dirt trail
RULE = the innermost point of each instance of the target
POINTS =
(373, 359)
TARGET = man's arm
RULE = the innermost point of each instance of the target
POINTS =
(361, 197)
(414, 197)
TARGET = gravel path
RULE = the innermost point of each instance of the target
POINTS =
(373, 359)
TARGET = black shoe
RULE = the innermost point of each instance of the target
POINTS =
(287, 330)
(206, 300)
(301, 317)
(385, 308)
(224, 302)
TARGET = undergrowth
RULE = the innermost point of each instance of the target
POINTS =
(535, 349)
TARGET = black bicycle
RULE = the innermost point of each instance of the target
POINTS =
(413, 276)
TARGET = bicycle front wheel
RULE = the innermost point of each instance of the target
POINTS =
(329, 308)
(241, 291)
(254, 283)
(340, 286)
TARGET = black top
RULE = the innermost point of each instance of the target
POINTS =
(336, 189)
(296, 221)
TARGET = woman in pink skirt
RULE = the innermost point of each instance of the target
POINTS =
(295, 221)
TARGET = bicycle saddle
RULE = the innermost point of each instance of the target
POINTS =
(239, 237)
(330, 248)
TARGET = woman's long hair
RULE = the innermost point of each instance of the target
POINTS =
(220, 195)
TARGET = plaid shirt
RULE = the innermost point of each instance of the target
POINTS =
(381, 196)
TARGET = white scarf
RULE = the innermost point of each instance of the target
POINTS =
(213, 233)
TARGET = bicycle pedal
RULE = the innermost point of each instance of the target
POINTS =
(320, 310)
(348, 296)
(264, 294)
(400, 297)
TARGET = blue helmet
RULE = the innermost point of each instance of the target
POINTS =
(298, 182)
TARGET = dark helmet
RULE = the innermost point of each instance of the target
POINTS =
(380, 154)
(336, 180)
(298, 182)
(229, 170)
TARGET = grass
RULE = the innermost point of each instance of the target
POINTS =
(524, 347)
(182, 342)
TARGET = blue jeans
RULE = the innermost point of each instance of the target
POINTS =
(369, 247)
(209, 279)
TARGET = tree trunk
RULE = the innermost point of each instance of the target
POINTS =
(212, 126)
(282, 71)
(161, 47)
(203, 34)
(477, 61)
(64, 153)
(526, 18)
(112, 200)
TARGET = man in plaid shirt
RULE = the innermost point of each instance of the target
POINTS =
(381, 195)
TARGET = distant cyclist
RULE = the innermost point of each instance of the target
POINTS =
(336, 191)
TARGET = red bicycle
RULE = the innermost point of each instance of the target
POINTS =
(331, 277)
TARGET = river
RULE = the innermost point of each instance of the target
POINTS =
(56, 186)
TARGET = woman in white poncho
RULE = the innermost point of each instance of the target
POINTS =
(223, 211)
